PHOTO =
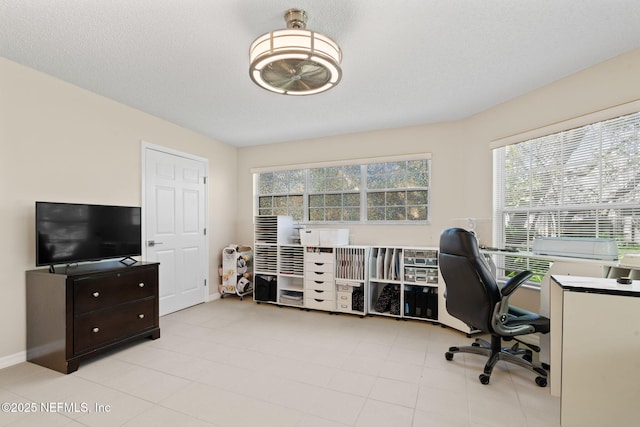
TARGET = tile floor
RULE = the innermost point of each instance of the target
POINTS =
(238, 363)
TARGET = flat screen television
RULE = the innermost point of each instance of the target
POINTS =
(68, 233)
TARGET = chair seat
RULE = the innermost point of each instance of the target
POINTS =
(519, 316)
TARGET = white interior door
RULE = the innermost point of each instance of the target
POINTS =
(175, 211)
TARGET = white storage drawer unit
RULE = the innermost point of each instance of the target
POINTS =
(344, 301)
(319, 279)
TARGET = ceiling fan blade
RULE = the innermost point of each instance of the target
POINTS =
(295, 74)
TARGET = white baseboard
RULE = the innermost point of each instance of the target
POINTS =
(212, 297)
(13, 359)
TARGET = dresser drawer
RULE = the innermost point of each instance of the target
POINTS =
(320, 276)
(100, 291)
(319, 304)
(319, 256)
(344, 297)
(104, 326)
(323, 267)
(319, 294)
(319, 285)
(344, 306)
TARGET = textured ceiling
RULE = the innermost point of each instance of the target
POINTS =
(405, 62)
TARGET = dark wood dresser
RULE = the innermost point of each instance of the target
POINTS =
(79, 312)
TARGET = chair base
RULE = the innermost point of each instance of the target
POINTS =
(495, 352)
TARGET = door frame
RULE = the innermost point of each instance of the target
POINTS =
(144, 147)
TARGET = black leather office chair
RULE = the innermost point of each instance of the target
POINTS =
(473, 296)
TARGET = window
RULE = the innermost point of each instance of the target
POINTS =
(334, 193)
(397, 191)
(583, 182)
(386, 190)
(282, 193)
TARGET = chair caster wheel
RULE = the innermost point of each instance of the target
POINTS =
(484, 379)
(541, 381)
(448, 356)
(475, 344)
(528, 358)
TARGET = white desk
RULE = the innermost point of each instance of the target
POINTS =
(595, 351)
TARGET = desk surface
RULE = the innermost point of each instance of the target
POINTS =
(597, 285)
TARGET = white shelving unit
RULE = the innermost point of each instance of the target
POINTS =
(290, 275)
(278, 275)
(394, 281)
(404, 282)
(385, 281)
(421, 279)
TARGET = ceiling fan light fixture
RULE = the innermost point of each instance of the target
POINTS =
(295, 61)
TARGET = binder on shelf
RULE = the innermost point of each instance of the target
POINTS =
(387, 263)
(396, 263)
(380, 264)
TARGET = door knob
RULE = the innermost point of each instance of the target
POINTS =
(152, 243)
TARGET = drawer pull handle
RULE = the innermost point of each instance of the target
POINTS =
(140, 316)
(141, 284)
(96, 294)
(96, 330)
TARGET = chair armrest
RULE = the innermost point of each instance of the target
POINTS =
(515, 282)
(501, 310)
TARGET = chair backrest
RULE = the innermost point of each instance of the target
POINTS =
(472, 291)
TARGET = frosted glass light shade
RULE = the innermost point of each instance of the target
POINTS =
(295, 62)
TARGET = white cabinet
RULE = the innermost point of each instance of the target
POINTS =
(594, 352)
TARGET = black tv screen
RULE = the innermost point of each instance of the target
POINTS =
(67, 233)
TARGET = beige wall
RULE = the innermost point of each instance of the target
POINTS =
(62, 143)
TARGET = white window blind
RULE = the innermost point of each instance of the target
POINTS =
(582, 182)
